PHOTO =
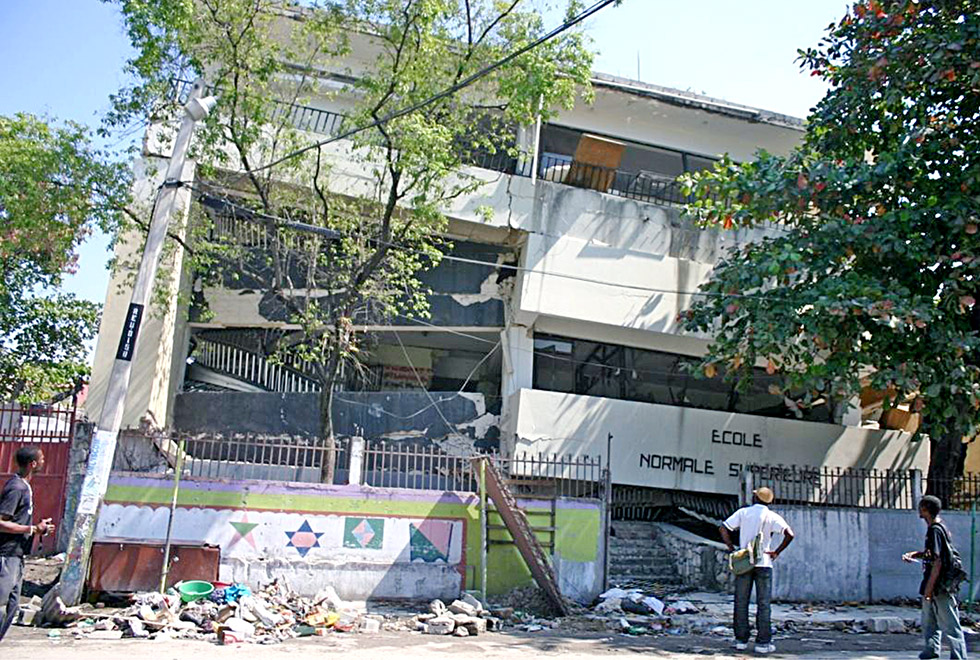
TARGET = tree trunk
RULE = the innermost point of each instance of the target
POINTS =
(946, 459)
(328, 465)
(327, 384)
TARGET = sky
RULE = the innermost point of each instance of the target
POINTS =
(63, 58)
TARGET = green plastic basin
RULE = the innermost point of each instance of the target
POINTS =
(194, 590)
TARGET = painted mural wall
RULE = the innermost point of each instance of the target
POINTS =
(365, 542)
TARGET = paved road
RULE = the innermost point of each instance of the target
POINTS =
(34, 644)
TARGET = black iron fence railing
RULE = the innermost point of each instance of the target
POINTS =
(416, 465)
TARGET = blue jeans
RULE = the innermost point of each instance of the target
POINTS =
(11, 574)
(762, 579)
(941, 616)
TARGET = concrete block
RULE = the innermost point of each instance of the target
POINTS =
(437, 607)
(461, 632)
(475, 625)
(494, 624)
(459, 607)
(370, 626)
(470, 600)
(886, 624)
(441, 625)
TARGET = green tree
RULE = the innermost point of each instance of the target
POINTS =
(256, 54)
(869, 272)
(55, 189)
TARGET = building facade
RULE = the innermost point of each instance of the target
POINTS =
(553, 325)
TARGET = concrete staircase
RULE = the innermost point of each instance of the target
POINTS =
(638, 558)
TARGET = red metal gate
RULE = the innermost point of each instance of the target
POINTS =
(51, 427)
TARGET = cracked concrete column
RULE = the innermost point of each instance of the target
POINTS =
(517, 344)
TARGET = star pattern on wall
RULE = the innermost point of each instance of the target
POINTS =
(243, 530)
(304, 539)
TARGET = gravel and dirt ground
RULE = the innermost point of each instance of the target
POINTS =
(35, 644)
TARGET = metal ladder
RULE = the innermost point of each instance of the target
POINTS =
(527, 543)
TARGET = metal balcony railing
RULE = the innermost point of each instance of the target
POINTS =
(253, 368)
(641, 186)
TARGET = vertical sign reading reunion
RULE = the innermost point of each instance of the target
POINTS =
(131, 328)
(697, 450)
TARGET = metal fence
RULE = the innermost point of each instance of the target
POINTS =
(417, 466)
(233, 456)
(408, 464)
(959, 494)
(25, 423)
(840, 487)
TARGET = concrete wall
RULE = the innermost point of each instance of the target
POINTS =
(368, 543)
(856, 554)
(369, 414)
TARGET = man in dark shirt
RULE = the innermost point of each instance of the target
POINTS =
(940, 611)
(17, 531)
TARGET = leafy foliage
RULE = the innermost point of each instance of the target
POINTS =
(55, 189)
(385, 190)
(868, 271)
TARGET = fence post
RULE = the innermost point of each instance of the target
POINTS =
(916, 487)
(747, 486)
(354, 475)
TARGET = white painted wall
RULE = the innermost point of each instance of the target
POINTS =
(576, 425)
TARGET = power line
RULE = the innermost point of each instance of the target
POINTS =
(466, 82)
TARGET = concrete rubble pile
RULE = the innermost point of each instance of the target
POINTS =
(634, 612)
(231, 615)
(464, 617)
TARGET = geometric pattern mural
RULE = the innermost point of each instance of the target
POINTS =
(304, 538)
(430, 540)
(364, 533)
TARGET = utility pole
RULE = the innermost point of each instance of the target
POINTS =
(103, 446)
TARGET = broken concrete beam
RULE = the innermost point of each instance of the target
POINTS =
(441, 625)
(459, 607)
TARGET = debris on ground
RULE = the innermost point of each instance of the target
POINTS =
(228, 615)
(463, 617)
(234, 614)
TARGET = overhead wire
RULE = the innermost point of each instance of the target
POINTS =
(408, 358)
(459, 392)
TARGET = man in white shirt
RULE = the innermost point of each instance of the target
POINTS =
(751, 521)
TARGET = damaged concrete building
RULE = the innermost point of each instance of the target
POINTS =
(554, 331)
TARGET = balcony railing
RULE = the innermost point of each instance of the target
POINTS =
(641, 186)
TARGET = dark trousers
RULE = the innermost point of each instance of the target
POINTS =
(11, 574)
(762, 579)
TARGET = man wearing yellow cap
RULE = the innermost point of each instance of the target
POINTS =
(756, 526)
